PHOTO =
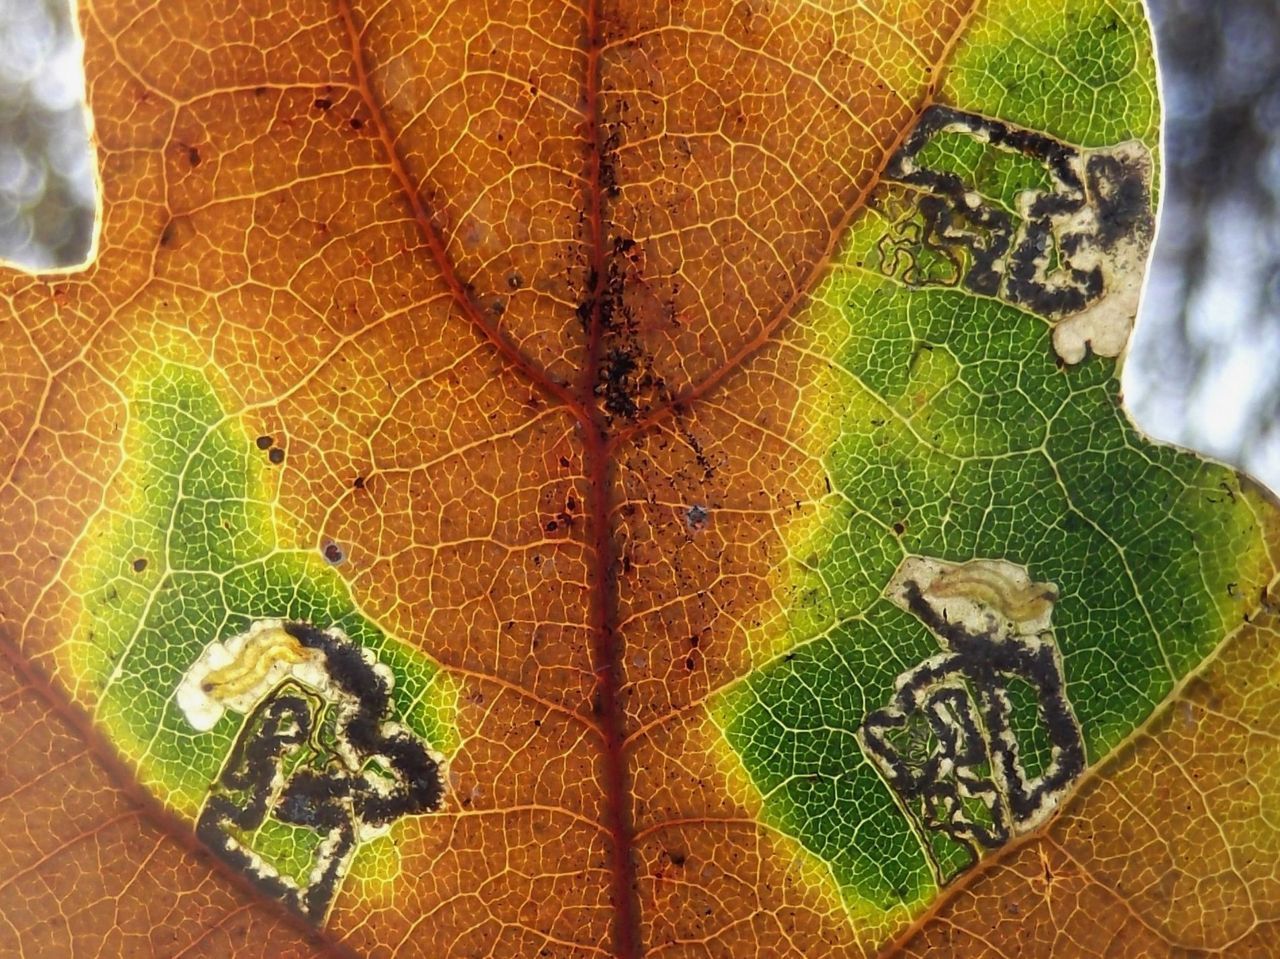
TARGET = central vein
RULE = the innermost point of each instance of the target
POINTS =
(606, 643)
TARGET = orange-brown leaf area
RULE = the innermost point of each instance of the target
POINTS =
(473, 327)
(339, 213)
(1169, 849)
(92, 870)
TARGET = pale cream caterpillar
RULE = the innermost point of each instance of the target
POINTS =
(990, 584)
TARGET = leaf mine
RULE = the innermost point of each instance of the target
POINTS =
(615, 479)
(318, 749)
(947, 743)
(1070, 248)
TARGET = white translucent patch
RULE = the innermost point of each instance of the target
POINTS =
(978, 595)
(237, 673)
(1104, 326)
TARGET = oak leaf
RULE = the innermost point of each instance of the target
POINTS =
(620, 479)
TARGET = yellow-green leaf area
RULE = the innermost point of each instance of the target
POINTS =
(194, 559)
(957, 433)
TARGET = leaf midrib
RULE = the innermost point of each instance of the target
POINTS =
(601, 442)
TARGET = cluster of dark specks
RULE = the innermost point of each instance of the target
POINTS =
(616, 387)
(624, 372)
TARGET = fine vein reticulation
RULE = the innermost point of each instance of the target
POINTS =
(603, 426)
(583, 377)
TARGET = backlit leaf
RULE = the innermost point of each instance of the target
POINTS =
(533, 479)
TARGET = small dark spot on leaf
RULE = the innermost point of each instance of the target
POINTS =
(264, 442)
(276, 455)
(139, 564)
(193, 156)
(696, 517)
(333, 553)
(323, 103)
(358, 482)
(357, 123)
(899, 528)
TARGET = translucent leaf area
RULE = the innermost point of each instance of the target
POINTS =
(620, 479)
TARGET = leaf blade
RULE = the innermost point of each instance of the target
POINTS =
(620, 502)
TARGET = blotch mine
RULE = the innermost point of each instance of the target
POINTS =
(1067, 240)
(318, 749)
(950, 743)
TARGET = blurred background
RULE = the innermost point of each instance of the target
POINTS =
(1204, 370)
(1204, 367)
